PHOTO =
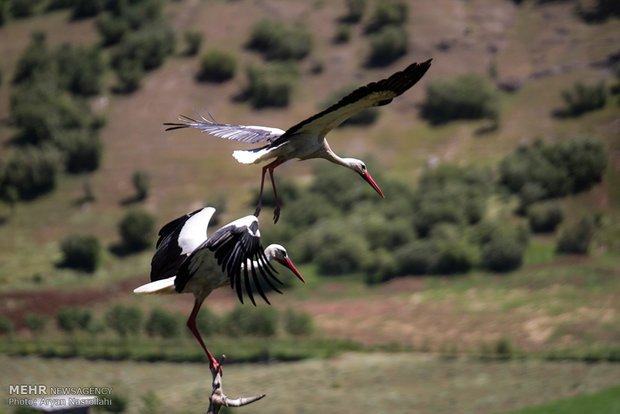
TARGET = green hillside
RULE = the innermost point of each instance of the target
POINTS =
(498, 238)
(187, 169)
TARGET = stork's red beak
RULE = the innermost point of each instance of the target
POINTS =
(289, 265)
(370, 181)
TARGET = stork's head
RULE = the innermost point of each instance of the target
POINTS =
(359, 167)
(278, 253)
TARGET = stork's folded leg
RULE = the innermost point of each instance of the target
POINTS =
(276, 210)
(260, 194)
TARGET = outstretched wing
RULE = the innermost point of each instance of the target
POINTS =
(239, 253)
(177, 239)
(249, 134)
(374, 94)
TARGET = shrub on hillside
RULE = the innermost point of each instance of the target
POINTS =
(486, 231)
(575, 238)
(271, 85)
(6, 326)
(137, 230)
(33, 171)
(388, 13)
(355, 10)
(539, 171)
(129, 74)
(59, 4)
(584, 97)
(544, 217)
(298, 323)
(111, 28)
(22, 8)
(82, 149)
(35, 322)
(502, 255)
(71, 319)
(584, 158)
(42, 111)
(452, 204)
(468, 96)
(529, 164)
(86, 8)
(217, 66)
(257, 321)
(80, 69)
(81, 252)
(615, 88)
(306, 210)
(450, 194)
(454, 257)
(387, 45)
(416, 258)
(347, 253)
(343, 34)
(124, 320)
(380, 266)
(277, 42)
(141, 180)
(34, 60)
(148, 46)
(383, 233)
(5, 13)
(209, 323)
(163, 324)
(193, 40)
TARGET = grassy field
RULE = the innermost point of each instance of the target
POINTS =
(603, 402)
(353, 382)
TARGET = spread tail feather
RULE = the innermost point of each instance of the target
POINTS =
(247, 156)
(254, 156)
(158, 287)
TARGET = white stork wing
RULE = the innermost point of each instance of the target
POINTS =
(374, 94)
(177, 240)
(238, 250)
(250, 134)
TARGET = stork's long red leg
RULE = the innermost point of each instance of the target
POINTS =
(191, 324)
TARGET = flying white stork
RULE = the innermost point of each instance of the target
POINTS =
(187, 260)
(307, 139)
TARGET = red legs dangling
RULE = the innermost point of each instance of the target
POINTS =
(276, 211)
(191, 324)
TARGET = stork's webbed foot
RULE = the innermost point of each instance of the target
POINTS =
(218, 399)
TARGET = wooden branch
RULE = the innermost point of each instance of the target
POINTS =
(218, 399)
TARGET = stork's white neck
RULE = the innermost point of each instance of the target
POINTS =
(331, 156)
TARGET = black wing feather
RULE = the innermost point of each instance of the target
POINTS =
(373, 94)
(235, 249)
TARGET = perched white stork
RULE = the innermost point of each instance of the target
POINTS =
(187, 260)
(307, 139)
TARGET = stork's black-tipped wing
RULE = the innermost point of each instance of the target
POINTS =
(250, 134)
(238, 251)
(374, 94)
(177, 239)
